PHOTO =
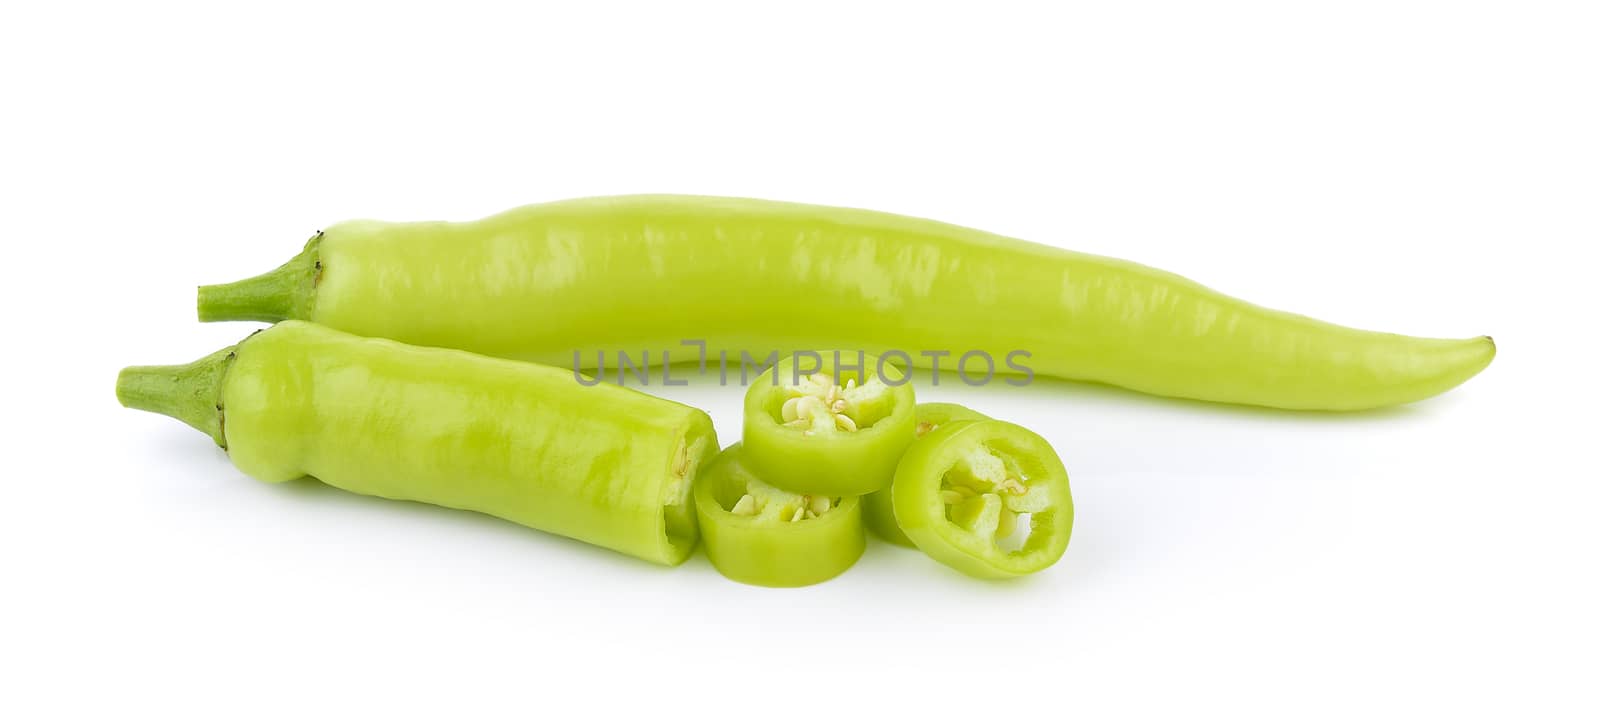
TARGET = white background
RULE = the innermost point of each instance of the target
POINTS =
(1423, 167)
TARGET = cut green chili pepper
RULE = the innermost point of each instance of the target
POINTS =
(653, 274)
(988, 498)
(834, 428)
(524, 442)
(878, 507)
(759, 534)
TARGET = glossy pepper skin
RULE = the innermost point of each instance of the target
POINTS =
(645, 273)
(523, 442)
(878, 507)
(967, 533)
(771, 548)
(829, 461)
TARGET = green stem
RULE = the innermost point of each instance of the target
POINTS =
(279, 295)
(190, 393)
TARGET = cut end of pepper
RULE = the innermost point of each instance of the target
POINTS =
(763, 503)
(837, 431)
(879, 506)
(677, 509)
(985, 497)
(762, 535)
(818, 403)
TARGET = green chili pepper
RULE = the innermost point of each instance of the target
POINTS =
(988, 498)
(834, 428)
(756, 533)
(655, 274)
(878, 507)
(523, 442)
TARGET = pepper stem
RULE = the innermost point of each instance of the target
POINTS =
(190, 393)
(278, 295)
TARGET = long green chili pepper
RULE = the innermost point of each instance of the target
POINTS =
(560, 282)
(759, 534)
(523, 442)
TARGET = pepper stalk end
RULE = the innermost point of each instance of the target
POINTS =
(190, 393)
(281, 294)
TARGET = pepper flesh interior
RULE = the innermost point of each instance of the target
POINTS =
(818, 403)
(986, 493)
(677, 506)
(764, 503)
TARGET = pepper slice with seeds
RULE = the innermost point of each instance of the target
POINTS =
(835, 428)
(878, 507)
(758, 534)
(988, 498)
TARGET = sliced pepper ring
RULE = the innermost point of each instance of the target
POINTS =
(838, 431)
(878, 507)
(758, 534)
(960, 489)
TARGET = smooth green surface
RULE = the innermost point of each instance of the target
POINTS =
(932, 524)
(523, 442)
(826, 462)
(644, 273)
(772, 552)
(878, 507)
